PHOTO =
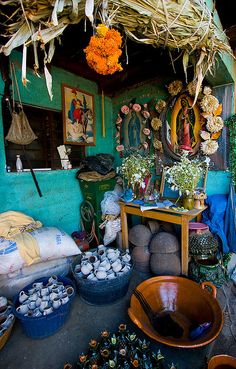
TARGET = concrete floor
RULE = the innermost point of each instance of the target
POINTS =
(86, 322)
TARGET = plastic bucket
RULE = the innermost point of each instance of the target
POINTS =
(44, 326)
(103, 292)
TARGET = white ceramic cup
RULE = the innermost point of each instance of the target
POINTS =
(56, 303)
(22, 296)
(43, 305)
(6, 310)
(34, 296)
(37, 313)
(69, 290)
(64, 299)
(38, 285)
(3, 301)
(53, 279)
(48, 310)
(8, 321)
(22, 309)
(32, 305)
(101, 274)
(44, 291)
(2, 331)
(31, 291)
(53, 295)
(116, 266)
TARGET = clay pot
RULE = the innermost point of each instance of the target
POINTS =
(164, 243)
(141, 258)
(140, 235)
(222, 362)
(165, 264)
(154, 226)
(167, 227)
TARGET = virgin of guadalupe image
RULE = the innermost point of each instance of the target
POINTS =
(132, 130)
(185, 125)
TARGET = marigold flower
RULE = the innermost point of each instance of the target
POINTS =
(103, 51)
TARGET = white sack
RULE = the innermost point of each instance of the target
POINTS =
(53, 244)
(12, 283)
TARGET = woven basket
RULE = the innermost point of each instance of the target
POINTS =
(6, 335)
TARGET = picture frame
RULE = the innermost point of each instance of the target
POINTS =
(78, 117)
(181, 126)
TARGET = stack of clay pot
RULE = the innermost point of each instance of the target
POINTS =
(139, 239)
(165, 254)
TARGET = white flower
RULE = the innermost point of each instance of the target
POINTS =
(185, 175)
(209, 147)
(214, 124)
(207, 90)
(209, 104)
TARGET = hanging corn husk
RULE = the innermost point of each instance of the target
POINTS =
(184, 25)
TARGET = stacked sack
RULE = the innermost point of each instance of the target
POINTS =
(29, 251)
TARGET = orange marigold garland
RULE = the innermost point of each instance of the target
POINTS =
(103, 51)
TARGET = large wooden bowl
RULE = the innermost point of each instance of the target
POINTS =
(187, 302)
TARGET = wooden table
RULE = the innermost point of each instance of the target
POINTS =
(166, 215)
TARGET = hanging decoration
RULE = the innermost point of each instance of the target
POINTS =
(211, 110)
(103, 51)
(186, 27)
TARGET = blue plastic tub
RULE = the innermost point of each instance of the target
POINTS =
(103, 292)
(44, 326)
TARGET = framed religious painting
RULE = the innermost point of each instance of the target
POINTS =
(78, 117)
(181, 126)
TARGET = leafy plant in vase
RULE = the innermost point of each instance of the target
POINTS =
(184, 177)
(136, 172)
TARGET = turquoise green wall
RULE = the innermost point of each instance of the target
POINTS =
(61, 199)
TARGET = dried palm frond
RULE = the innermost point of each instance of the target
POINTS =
(184, 25)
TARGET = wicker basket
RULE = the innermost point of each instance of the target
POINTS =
(6, 335)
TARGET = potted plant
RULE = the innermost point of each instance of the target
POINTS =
(184, 177)
(136, 172)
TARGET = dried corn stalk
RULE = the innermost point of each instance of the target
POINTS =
(185, 25)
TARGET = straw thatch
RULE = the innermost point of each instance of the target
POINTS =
(185, 25)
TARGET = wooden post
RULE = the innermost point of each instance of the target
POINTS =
(103, 116)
